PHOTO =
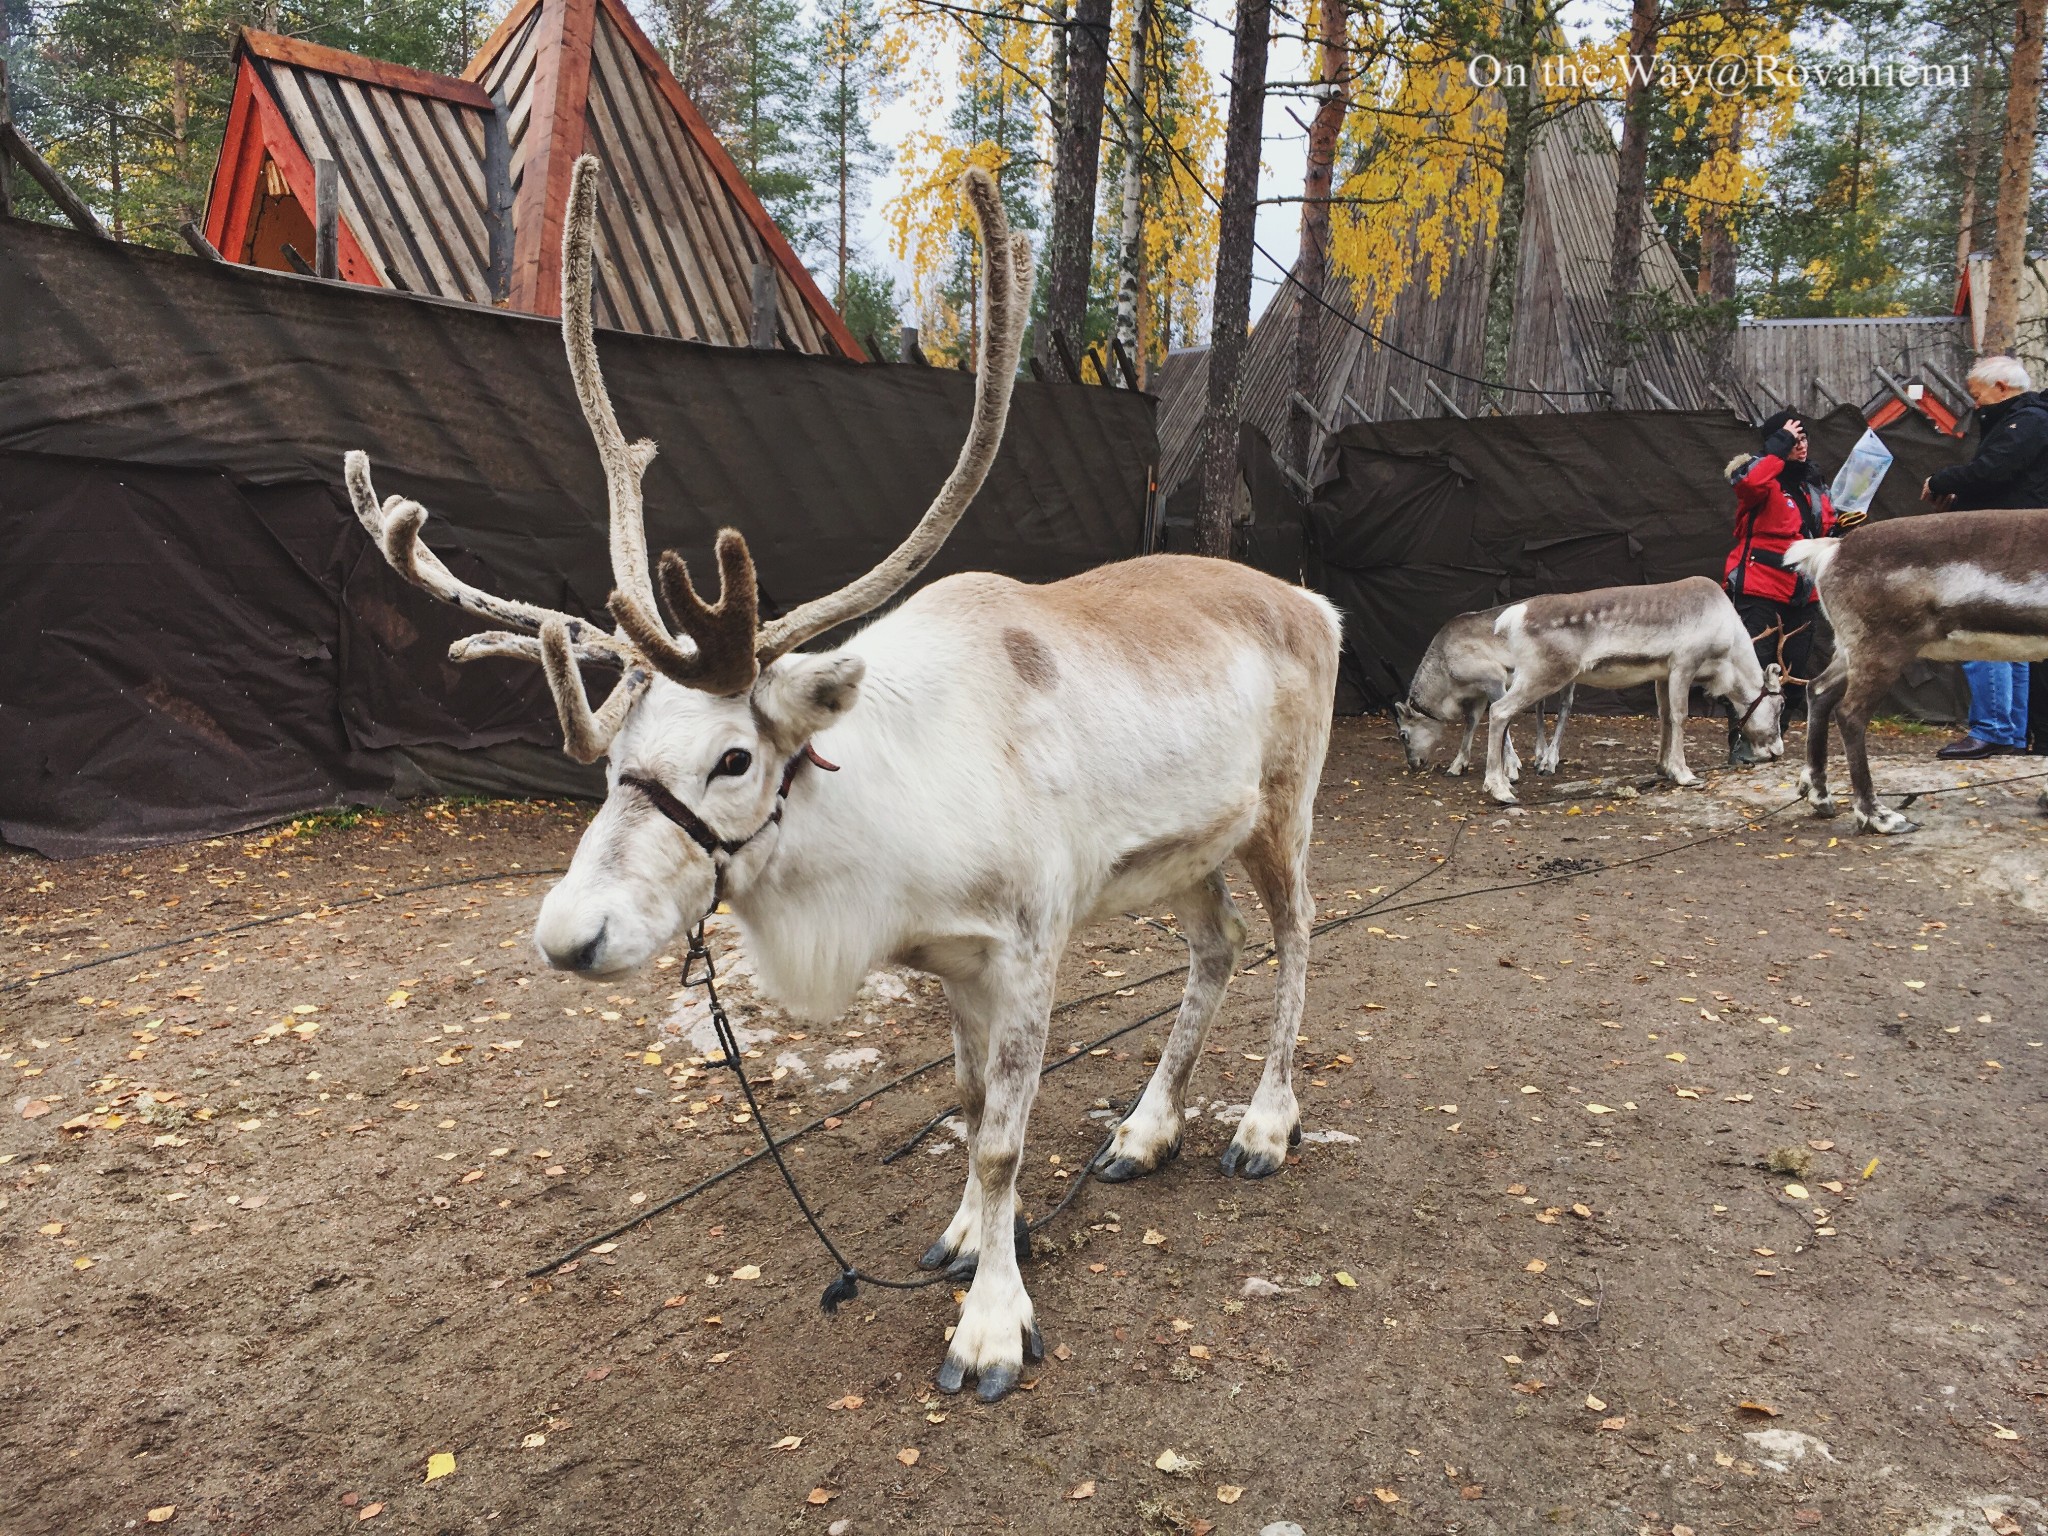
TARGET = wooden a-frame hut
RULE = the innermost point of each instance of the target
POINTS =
(457, 187)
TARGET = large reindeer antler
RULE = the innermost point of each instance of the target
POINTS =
(724, 646)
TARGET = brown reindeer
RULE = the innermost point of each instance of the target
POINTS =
(1961, 586)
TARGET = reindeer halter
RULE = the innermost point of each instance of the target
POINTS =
(723, 645)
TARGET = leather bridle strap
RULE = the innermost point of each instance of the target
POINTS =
(693, 825)
(1743, 719)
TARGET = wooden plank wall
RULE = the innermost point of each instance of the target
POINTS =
(1787, 356)
(675, 252)
(412, 181)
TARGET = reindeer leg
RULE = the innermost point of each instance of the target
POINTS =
(959, 1246)
(1546, 751)
(1860, 698)
(1457, 766)
(1276, 856)
(1514, 757)
(1012, 990)
(1503, 710)
(1150, 1135)
(1822, 696)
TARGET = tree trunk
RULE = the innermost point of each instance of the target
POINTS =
(1230, 310)
(2015, 173)
(1625, 265)
(1518, 46)
(1312, 266)
(181, 132)
(1056, 91)
(1131, 234)
(1973, 165)
(1076, 158)
(844, 111)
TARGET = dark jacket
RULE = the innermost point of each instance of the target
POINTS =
(1776, 503)
(2011, 466)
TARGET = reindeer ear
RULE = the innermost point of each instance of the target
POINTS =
(799, 696)
(1774, 678)
(1402, 712)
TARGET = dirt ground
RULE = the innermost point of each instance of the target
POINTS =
(1706, 1192)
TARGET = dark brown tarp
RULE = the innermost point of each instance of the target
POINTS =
(195, 635)
(1421, 520)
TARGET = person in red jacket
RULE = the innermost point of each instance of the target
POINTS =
(1779, 499)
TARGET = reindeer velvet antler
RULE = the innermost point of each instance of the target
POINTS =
(724, 646)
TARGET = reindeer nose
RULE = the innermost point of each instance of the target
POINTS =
(583, 957)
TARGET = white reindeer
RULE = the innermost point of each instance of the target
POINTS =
(1957, 586)
(1466, 668)
(1014, 760)
(1674, 633)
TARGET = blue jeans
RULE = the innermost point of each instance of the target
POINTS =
(1998, 701)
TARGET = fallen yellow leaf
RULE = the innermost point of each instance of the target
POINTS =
(1346, 1281)
(820, 1496)
(908, 1455)
(1595, 1404)
(1535, 1266)
(787, 1443)
(1083, 1490)
(1228, 1493)
(161, 1513)
(440, 1464)
(1386, 1495)
(1153, 1237)
(747, 1272)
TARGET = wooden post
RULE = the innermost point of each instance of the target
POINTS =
(1063, 354)
(196, 238)
(907, 349)
(761, 331)
(1449, 404)
(326, 218)
(298, 263)
(24, 155)
(498, 200)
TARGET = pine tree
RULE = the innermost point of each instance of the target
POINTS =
(858, 68)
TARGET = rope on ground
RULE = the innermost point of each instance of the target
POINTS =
(276, 917)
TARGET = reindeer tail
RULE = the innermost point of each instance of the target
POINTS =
(1812, 557)
(1509, 624)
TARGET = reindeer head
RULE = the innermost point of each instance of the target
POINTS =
(708, 718)
(1421, 734)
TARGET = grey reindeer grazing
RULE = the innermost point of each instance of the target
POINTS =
(1466, 668)
(1962, 586)
(1673, 634)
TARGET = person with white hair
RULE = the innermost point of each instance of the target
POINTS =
(2010, 470)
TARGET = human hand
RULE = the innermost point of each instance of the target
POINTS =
(1798, 430)
(1927, 489)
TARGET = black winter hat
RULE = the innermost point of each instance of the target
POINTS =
(1773, 425)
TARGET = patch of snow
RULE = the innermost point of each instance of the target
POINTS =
(794, 1064)
(857, 1058)
(1326, 1138)
(1227, 1114)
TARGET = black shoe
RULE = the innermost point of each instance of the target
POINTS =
(1968, 748)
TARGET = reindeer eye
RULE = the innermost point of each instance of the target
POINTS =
(733, 764)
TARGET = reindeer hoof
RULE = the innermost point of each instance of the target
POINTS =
(952, 1374)
(938, 1256)
(1885, 822)
(1034, 1344)
(1120, 1168)
(996, 1382)
(1823, 806)
(1244, 1162)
